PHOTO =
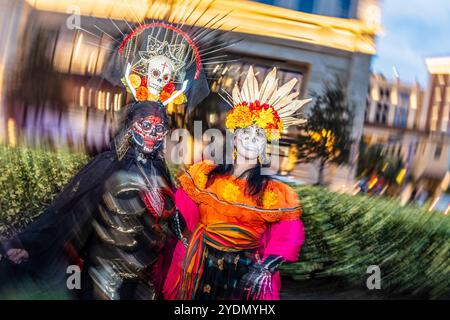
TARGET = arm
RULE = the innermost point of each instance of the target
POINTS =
(281, 243)
(285, 238)
(186, 216)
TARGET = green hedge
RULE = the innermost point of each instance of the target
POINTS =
(344, 234)
(29, 180)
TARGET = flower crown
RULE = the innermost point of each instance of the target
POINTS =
(264, 116)
(269, 107)
(139, 83)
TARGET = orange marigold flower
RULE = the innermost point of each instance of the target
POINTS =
(239, 117)
(163, 96)
(142, 93)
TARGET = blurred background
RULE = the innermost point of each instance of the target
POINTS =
(53, 90)
(371, 134)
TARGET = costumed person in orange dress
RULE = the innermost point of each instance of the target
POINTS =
(237, 225)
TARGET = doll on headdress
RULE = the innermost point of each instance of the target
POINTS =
(238, 225)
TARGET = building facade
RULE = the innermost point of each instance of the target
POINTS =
(313, 41)
(411, 123)
(347, 9)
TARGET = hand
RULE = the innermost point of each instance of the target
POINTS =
(257, 282)
(17, 255)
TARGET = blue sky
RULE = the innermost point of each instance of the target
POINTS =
(412, 31)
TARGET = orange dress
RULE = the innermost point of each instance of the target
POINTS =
(230, 219)
(225, 200)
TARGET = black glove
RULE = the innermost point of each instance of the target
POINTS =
(258, 280)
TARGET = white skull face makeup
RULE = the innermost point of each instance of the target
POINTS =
(160, 71)
(250, 142)
(148, 133)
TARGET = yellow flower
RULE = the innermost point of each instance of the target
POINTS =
(180, 99)
(230, 192)
(269, 199)
(135, 80)
(239, 117)
(200, 180)
(152, 97)
(280, 125)
(263, 118)
(315, 136)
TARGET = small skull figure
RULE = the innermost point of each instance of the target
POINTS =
(160, 72)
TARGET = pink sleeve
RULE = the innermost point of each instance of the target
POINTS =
(188, 209)
(284, 239)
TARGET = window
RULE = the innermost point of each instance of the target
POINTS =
(271, 2)
(378, 113)
(438, 152)
(385, 113)
(366, 114)
(401, 110)
(344, 8)
(306, 6)
(388, 94)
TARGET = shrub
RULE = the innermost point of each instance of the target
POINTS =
(29, 181)
(346, 234)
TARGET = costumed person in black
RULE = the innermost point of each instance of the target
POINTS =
(110, 220)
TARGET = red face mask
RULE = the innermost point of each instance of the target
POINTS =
(148, 133)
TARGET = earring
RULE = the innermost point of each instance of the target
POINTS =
(234, 153)
(262, 159)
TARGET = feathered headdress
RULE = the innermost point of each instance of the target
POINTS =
(270, 107)
(162, 58)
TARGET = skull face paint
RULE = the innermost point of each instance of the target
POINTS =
(250, 142)
(148, 133)
(160, 71)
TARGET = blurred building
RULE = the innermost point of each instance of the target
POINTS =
(312, 40)
(436, 113)
(347, 9)
(393, 116)
(412, 124)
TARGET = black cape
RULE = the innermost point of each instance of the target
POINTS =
(67, 219)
